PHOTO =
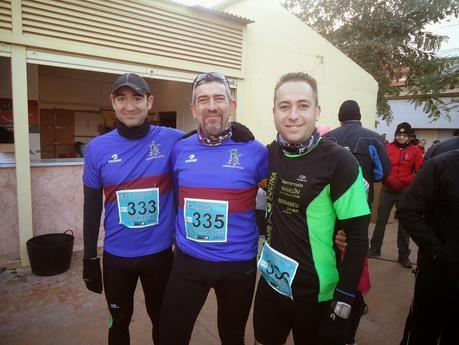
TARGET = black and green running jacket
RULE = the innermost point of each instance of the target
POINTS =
(306, 195)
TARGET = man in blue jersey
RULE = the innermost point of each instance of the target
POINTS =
(130, 166)
(216, 169)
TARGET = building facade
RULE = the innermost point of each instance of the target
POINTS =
(58, 60)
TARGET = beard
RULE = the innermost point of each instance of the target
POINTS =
(214, 127)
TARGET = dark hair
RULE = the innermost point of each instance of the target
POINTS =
(298, 76)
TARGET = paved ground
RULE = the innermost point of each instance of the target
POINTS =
(59, 310)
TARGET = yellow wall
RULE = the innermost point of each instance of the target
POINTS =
(278, 43)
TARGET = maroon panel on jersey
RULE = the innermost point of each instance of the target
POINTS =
(163, 182)
(239, 200)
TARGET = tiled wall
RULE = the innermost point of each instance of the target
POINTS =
(57, 205)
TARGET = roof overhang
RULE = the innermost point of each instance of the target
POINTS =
(217, 11)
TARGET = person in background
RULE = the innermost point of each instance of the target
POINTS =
(422, 146)
(383, 137)
(413, 139)
(429, 212)
(366, 145)
(260, 210)
(79, 148)
(448, 145)
(445, 146)
(368, 148)
(406, 161)
(130, 166)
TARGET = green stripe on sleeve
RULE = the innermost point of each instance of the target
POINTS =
(353, 203)
(321, 218)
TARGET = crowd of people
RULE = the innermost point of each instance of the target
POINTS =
(179, 215)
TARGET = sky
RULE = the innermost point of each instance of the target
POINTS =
(448, 27)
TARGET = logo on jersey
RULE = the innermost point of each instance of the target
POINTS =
(115, 159)
(191, 159)
(302, 178)
(154, 151)
(233, 160)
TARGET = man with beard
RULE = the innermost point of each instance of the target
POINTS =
(216, 170)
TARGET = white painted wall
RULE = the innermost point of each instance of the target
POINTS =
(278, 43)
(404, 111)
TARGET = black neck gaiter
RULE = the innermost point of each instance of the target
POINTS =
(136, 132)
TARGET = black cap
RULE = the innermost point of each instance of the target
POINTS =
(133, 81)
(403, 128)
(349, 110)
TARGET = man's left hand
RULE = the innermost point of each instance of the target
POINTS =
(334, 325)
(340, 241)
(333, 330)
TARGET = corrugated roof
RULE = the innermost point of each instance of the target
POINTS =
(215, 11)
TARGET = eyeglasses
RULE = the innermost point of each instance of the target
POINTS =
(209, 76)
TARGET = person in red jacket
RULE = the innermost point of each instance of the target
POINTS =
(406, 160)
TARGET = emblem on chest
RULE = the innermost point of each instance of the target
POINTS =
(234, 160)
(154, 152)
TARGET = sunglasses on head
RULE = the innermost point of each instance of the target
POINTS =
(210, 76)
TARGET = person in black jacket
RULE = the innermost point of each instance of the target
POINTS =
(366, 145)
(448, 145)
(368, 148)
(429, 212)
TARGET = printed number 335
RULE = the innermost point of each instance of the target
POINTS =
(206, 220)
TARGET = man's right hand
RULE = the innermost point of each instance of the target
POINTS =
(92, 274)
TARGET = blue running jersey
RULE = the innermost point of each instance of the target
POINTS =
(217, 186)
(136, 179)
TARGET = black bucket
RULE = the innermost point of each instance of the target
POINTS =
(50, 254)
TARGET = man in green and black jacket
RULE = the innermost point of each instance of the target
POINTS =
(312, 182)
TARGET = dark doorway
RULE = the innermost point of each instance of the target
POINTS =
(168, 118)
